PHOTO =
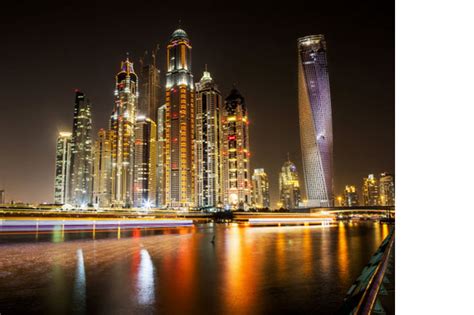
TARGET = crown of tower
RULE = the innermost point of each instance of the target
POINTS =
(179, 34)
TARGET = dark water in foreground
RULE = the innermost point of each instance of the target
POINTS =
(248, 270)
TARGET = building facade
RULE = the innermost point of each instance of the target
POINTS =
(387, 189)
(122, 126)
(144, 182)
(350, 196)
(63, 160)
(208, 184)
(235, 148)
(370, 191)
(260, 188)
(149, 87)
(102, 184)
(80, 179)
(179, 125)
(315, 115)
(160, 160)
(290, 194)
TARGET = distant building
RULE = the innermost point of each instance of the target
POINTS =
(80, 179)
(237, 192)
(290, 195)
(102, 169)
(2, 196)
(144, 182)
(149, 87)
(260, 188)
(315, 115)
(370, 191)
(63, 160)
(387, 189)
(160, 158)
(350, 196)
(208, 191)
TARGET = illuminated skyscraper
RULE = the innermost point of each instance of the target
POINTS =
(160, 160)
(387, 189)
(179, 125)
(144, 183)
(260, 188)
(102, 169)
(80, 179)
(207, 143)
(314, 99)
(63, 159)
(149, 87)
(350, 196)
(122, 124)
(290, 195)
(370, 191)
(235, 150)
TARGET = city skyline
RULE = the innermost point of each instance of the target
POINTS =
(361, 150)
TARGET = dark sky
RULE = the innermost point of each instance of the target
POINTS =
(49, 49)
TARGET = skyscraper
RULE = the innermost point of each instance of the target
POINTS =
(235, 152)
(261, 192)
(122, 126)
(80, 179)
(149, 87)
(63, 159)
(207, 143)
(102, 193)
(314, 99)
(350, 196)
(144, 183)
(179, 126)
(370, 191)
(290, 195)
(160, 160)
(387, 189)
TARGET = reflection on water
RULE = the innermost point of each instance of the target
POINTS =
(246, 270)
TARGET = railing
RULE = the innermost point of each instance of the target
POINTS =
(362, 295)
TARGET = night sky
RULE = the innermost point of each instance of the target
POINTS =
(49, 49)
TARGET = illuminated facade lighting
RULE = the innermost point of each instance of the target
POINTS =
(161, 145)
(207, 143)
(370, 191)
(80, 179)
(179, 123)
(290, 194)
(63, 159)
(260, 186)
(350, 196)
(102, 153)
(314, 102)
(237, 193)
(387, 189)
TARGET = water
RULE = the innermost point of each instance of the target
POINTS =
(248, 270)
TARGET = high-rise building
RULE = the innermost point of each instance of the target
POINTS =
(207, 143)
(314, 99)
(160, 160)
(102, 153)
(149, 87)
(290, 195)
(144, 183)
(63, 160)
(350, 196)
(122, 126)
(387, 189)
(261, 192)
(235, 150)
(80, 179)
(370, 191)
(179, 126)
(2, 196)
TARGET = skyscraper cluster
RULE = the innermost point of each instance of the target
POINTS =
(177, 147)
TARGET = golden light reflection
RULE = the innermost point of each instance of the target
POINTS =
(307, 253)
(342, 253)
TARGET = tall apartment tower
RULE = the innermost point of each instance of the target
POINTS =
(179, 125)
(160, 160)
(314, 103)
(350, 196)
(207, 143)
(63, 159)
(261, 192)
(80, 179)
(387, 189)
(122, 126)
(144, 182)
(370, 191)
(290, 194)
(102, 152)
(237, 193)
(149, 87)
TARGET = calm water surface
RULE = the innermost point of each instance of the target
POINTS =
(248, 270)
